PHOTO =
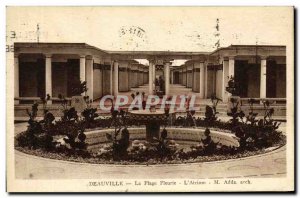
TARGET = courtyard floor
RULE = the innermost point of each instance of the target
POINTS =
(175, 89)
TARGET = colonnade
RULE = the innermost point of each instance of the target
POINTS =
(198, 76)
(192, 75)
(125, 74)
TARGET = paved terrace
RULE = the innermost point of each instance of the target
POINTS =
(175, 89)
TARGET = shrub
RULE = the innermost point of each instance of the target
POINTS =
(162, 147)
(89, 115)
(119, 146)
(233, 86)
(210, 115)
(235, 113)
(254, 133)
(38, 133)
(69, 115)
(78, 87)
(209, 146)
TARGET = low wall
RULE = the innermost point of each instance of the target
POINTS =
(278, 110)
(21, 110)
(94, 138)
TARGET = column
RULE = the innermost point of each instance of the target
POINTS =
(172, 77)
(202, 80)
(48, 76)
(263, 77)
(225, 94)
(192, 76)
(89, 77)
(123, 76)
(150, 80)
(141, 77)
(126, 78)
(186, 76)
(111, 78)
(181, 76)
(133, 75)
(167, 78)
(231, 67)
(189, 76)
(116, 78)
(138, 75)
(129, 79)
(196, 77)
(153, 75)
(145, 75)
(82, 68)
(205, 81)
(16, 76)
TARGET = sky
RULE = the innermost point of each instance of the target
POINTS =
(151, 28)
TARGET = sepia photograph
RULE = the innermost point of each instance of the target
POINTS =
(150, 99)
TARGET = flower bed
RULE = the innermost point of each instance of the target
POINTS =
(65, 157)
(93, 158)
(212, 140)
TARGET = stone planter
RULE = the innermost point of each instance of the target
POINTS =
(78, 103)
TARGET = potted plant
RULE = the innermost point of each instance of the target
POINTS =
(78, 100)
(234, 98)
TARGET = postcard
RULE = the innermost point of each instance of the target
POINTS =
(150, 99)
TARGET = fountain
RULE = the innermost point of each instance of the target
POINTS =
(153, 119)
(150, 133)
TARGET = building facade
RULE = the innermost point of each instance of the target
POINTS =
(50, 68)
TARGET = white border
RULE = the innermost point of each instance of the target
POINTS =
(4, 3)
